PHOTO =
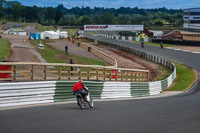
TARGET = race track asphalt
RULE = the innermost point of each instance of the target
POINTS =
(176, 114)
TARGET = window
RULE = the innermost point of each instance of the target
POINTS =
(186, 13)
(196, 17)
(195, 21)
(194, 13)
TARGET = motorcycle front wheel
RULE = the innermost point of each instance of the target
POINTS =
(90, 102)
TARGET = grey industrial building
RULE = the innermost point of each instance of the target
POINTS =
(191, 19)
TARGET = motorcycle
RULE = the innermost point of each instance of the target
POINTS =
(82, 102)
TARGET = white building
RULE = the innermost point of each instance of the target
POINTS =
(49, 35)
(157, 33)
(191, 19)
(63, 34)
(16, 31)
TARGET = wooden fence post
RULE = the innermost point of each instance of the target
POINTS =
(131, 76)
(69, 72)
(121, 75)
(15, 73)
(97, 73)
(88, 74)
(45, 72)
(126, 76)
(104, 74)
(116, 75)
(79, 69)
(32, 72)
(110, 74)
(59, 78)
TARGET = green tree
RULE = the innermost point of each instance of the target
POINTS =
(107, 18)
(82, 20)
(123, 19)
(158, 23)
(58, 16)
(1, 7)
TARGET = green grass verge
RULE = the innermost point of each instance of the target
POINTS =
(71, 32)
(52, 55)
(185, 78)
(4, 48)
(164, 73)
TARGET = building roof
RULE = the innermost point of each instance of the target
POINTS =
(17, 30)
(183, 32)
(190, 33)
(64, 32)
(51, 32)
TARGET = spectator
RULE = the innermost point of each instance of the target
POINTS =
(71, 62)
(66, 50)
(161, 44)
(142, 44)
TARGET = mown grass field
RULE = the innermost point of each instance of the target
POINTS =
(71, 32)
(52, 55)
(185, 78)
(39, 27)
(4, 48)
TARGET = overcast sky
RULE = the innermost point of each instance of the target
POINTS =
(174, 4)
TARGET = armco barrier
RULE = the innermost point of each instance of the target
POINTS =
(26, 93)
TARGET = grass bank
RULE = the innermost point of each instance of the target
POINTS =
(71, 32)
(4, 48)
(52, 55)
(185, 78)
(39, 27)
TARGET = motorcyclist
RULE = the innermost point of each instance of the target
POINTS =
(79, 87)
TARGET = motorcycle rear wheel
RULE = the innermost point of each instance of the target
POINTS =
(80, 102)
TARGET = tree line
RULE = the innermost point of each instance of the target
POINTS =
(78, 16)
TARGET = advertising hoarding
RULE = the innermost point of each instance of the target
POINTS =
(113, 27)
